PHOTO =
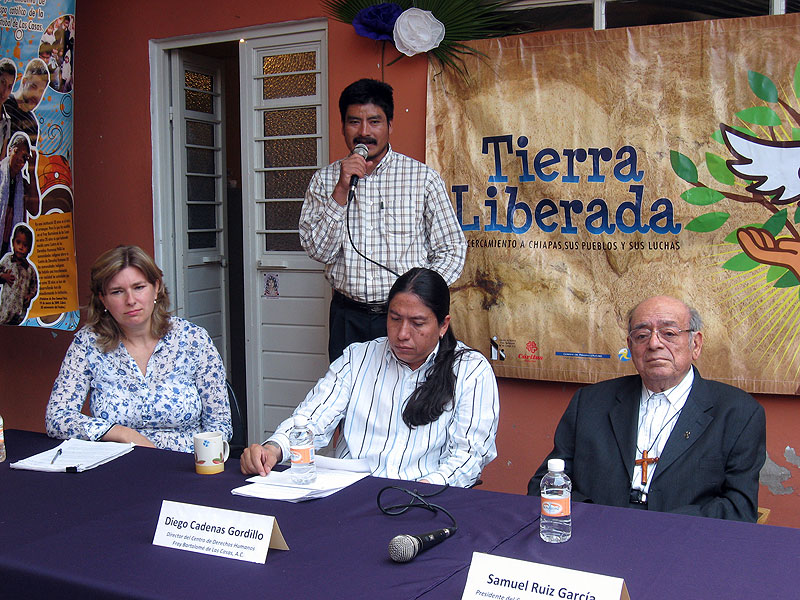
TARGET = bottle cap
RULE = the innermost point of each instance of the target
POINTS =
(556, 465)
(302, 421)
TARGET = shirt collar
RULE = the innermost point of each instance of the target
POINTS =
(385, 161)
(676, 395)
(428, 361)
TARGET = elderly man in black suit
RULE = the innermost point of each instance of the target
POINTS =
(666, 439)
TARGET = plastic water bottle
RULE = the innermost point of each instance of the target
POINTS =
(301, 446)
(2, 442)
(555, 524)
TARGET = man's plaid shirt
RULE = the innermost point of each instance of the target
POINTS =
(401, 217)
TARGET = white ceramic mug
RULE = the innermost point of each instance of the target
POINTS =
(210, 452)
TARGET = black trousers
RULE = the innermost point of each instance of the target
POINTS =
(352, 322)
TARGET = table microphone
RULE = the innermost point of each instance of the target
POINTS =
(363, 152)
(403, 548)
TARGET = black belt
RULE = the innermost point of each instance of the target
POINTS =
(638, 497)
(373, 308)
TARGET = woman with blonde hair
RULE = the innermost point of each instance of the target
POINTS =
(152, 379)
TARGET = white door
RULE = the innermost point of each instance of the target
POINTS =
(284, 140)
(201, 281)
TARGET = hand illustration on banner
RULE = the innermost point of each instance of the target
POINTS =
(769, 165)
(766, 158)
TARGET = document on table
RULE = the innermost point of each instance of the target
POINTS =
(333, 474)
(74, 456)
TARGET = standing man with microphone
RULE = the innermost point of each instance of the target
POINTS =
(373, 215)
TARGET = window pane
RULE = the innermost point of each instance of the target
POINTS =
(204, 239)
(200, 102)
(199, 133)
(290, 153)
(294, 121)
(282, 215)
(202, 216)
(287, 184)
(199, 160)
(290, 86)
(201, 189)
(286, 63)
(283, 242)
(199, 81)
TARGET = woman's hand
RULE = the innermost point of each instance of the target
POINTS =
(120, 433)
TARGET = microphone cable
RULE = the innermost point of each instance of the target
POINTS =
(361, 254)
(418, 500)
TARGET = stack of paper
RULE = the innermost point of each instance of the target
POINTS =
(74, 456)
(332, 475)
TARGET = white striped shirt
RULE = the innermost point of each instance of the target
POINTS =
(401, 217)
(367, 388)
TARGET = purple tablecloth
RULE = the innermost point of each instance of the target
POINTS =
(89, 535)
(664, 556)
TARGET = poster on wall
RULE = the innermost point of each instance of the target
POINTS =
(592, 169)
(38, 279)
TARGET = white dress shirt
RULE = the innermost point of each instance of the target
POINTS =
(367, 388)
(656, 421)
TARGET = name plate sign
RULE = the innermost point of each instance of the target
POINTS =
(216, 531)
(502, 578)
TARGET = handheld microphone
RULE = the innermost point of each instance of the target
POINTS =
(403, 548)
(363, 152)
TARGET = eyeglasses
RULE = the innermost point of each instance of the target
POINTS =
(668, 335)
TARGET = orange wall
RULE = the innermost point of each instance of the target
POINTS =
(113, 205)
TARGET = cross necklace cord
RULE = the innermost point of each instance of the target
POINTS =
(650, 460)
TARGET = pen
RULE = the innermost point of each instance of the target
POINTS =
(57, 454)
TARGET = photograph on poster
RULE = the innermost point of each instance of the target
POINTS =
(37, 49)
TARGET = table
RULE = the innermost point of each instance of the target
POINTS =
(89, 534)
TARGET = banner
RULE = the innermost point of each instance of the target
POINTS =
(593, 169)
(38, 279)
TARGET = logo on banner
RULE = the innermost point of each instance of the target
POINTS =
(533, 352)
(624, 355)
(497, 353)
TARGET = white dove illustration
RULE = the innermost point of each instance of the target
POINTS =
(774, 167)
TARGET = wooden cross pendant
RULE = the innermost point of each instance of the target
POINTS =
(643, 462)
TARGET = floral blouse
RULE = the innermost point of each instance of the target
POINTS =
(182, 393)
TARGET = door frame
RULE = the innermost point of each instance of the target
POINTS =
(165, 238)
(160, 124)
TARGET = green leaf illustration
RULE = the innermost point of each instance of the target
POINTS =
(795, 133)
(683, 166)
(708, 222)
(776, 222)
(717, 135)
(788, 280)
(762, 86)
(741, 262)
(731, 237)
(760, 115)
(797, 81)
(719, 169)
(797, 215)
(775, 272)
(702, 196)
